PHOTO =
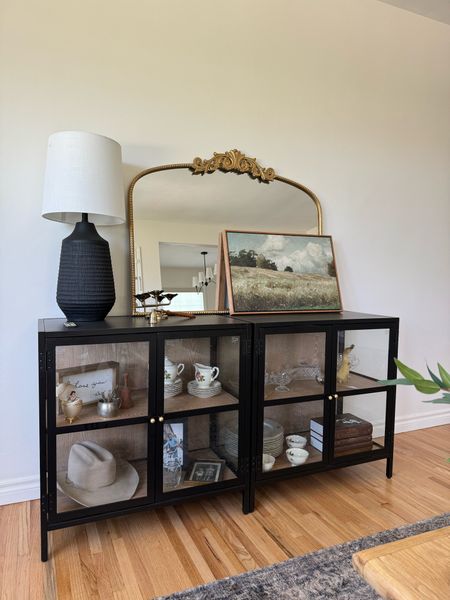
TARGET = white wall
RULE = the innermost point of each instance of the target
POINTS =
(349, 97)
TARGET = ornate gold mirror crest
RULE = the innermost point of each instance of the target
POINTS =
(172, 219)
(233, 160)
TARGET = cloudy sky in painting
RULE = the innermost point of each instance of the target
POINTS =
(304, 254)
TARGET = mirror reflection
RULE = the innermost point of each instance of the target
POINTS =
(189, 270)
(177, 215)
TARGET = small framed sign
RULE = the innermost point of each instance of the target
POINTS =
(207, 471)
(91, 381)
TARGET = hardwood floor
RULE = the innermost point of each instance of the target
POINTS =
(161, 551)
(417, 566)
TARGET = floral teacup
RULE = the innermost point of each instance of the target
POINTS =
(171, 371)
(205, 375)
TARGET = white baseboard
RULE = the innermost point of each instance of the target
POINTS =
(27, 488)
(422, 420)
(19, 490)
(431, 418)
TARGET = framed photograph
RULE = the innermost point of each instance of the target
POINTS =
(280, 272)
(207, 471)
(173, 445)
(91, 381)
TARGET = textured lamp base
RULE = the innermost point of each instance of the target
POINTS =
(85, 281)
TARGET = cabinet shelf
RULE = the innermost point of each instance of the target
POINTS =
(184, 402)
(376, 445)
(297, 389)
(309, 388)
(89, 412)
(66, 504)
(204, 454)
(282, 462)
(358, 382)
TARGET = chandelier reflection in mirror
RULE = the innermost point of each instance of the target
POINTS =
(205, 277)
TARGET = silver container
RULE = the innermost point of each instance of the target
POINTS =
(108, 409)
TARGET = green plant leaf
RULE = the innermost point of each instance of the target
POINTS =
(445, 376)
(436, 379)
(439, 401)
(426, 386)
(444, 399)
(408, 372)
(395, 382)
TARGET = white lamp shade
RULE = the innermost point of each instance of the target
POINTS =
(83, 175)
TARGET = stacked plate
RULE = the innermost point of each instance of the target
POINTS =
(273, 438)
(231, 439)
(173, 389)
(201, 392)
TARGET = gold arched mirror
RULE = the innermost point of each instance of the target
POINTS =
(176, 213)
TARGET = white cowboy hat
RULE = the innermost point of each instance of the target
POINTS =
(94, 476)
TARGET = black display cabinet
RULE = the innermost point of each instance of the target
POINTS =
(166, 435)
(173, 440)
(316, 387)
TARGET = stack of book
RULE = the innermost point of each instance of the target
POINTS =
(351, 434)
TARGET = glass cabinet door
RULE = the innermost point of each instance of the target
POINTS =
(99, 467)
(101, 382)
(294, 365)
(98, 423)
(361, 404)
(293, 396)
(201, 373)
(359, 423)
(199, 389)
(287, 435)
(200, 450)
(362, 358)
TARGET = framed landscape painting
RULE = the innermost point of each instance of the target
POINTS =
(276, 272)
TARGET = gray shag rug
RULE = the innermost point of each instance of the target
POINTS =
(321, 575)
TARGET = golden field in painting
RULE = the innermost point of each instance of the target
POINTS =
(259, 290)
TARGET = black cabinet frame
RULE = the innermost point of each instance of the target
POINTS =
(277, 324)
(53, 335)
(387, 451)
(244, 409)
(252, 332)
(260, 403)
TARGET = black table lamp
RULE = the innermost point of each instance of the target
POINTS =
(84, 185)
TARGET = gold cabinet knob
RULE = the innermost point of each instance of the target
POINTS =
(152, 420)
(161, 419)
(330, 397)
(336, 396)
